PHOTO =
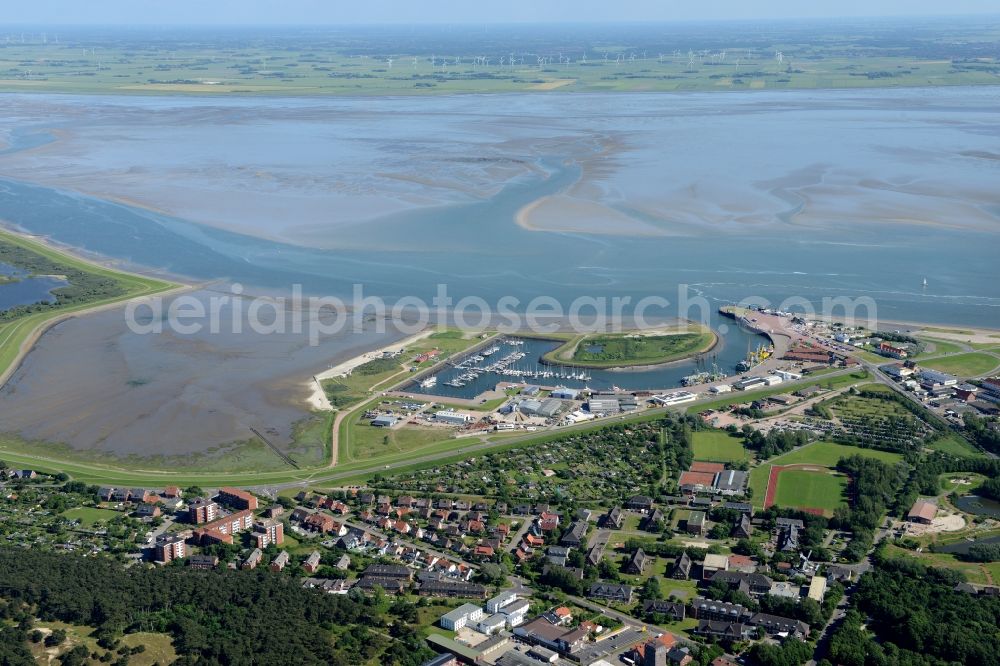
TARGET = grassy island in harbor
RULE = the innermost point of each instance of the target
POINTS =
(632, 349)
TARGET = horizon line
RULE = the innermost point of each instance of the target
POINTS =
(505, 23)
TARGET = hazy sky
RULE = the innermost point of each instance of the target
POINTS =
(311, 12)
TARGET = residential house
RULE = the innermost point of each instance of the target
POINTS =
(775, 624)
(696, 523)
(595, 554)
(673, 611)
(637, 563)
(710, 609)
(575, 535)
(147, 511)
(743, 528)
(203, 562)
(611, 592)
(653, 520)
(280, 561)
(639, 503)
(753, 583)
(253, 559)
(312, 562)
(614, 519)
(682, 567)
(724, 631)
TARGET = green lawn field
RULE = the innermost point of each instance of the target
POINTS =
(828, 453)
(718, 446)
(813, 490)
(955, 445)
(89, 516)
(971, 364)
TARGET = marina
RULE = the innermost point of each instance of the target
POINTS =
(518, 360)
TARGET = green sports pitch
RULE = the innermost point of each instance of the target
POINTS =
(802, 489)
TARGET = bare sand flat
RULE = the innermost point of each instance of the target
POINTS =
(567, 214)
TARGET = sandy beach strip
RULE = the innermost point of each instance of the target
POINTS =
(317, 396)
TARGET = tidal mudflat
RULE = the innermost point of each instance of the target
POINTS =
(808, 194)
(94, 385)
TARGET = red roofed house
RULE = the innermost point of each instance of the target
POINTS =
(318, 522)
(922, 512)
(666, 640)
(533, 540)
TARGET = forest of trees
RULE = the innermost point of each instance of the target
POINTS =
(981, 432)
(874, 488)
(774, 443)
(917, 619)
(214, 617)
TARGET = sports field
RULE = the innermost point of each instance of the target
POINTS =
(820, 454)
(718, 446)
(807, 489)
(972, 364)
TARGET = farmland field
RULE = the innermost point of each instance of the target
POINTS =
(393, 60)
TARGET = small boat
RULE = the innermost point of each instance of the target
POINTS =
(429, 382)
